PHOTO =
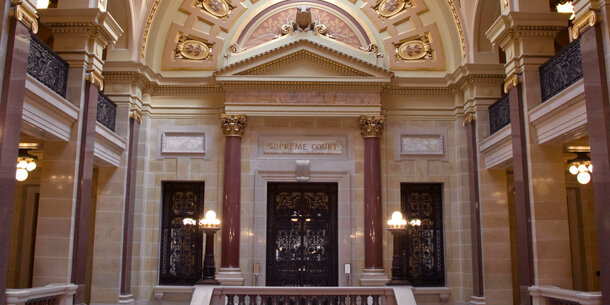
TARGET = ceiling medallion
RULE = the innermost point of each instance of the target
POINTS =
(218, 8)
(414, 49)
(193, 49)
(389, 8)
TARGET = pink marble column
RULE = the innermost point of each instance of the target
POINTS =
(372, 129)
(233, 128)
(11, 109)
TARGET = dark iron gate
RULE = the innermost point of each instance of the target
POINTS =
(424, 260)
(181, 245)
(301, 234)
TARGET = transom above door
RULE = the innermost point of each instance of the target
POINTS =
(301, 234)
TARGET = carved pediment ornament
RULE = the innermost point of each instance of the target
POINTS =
(233, 125)
(218, 8)
(414, 49)
(389, 8)
(373, 49)
(193, 49)
(303, 22)
(372, 126)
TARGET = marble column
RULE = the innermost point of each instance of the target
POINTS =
(525, 257)
(598, 124)
(371, 128)
(233, 127)
(11, 108)
(475, 212)
(130, 195)
(83, 192)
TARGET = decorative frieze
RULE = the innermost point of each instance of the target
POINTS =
(422, 144)
(183, 143)
(294, 146)
(233, 124)
(372, 126)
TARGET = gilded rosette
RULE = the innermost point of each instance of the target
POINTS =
(372, 126)
(233, 125)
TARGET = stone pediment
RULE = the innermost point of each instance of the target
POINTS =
(303, 60)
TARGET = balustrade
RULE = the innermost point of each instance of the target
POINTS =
(55, 294)
(551, 295)
(106, 111)
(47, 67)
(499, 114)
(561, 70)
(303, 296)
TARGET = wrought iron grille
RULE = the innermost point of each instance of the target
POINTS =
(302, 234)
(561, 70)
(499, 114)
(50, 300)
(553, 301)
(181, 247)
(424, 258)
(106, 111)
(47, 67)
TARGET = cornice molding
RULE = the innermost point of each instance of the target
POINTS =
(95, 23)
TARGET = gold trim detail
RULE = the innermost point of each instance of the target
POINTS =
(372, 126)
(512, 81)
(217, 8)
(95, 78)
(505, 3)
(233, 125)
(193, 49)
(29, 18)
(456, 18)
(584, 22)
(153, 11)
(136, 114)
(414, 49)
(389, 8)
(469, 118)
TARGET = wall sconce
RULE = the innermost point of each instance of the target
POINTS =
(209, 225)
(581, 167)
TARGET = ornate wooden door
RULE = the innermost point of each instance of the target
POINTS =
(301, 234)
(424, 257)
(181, 245)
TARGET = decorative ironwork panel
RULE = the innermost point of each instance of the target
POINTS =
(106, 111)
(424, 256)
(302, 234)
(561, 71)
(499, 114)
(181, 245)
(50, 300)
(47, 67)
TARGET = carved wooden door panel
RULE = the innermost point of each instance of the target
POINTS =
(424, 257)
(180, 245)
(301, 234)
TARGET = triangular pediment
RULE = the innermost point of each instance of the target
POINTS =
(303, 59)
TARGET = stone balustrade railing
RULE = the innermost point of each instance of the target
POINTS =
(561, 70)
(55, 294)
(552, 295)
(303, 296)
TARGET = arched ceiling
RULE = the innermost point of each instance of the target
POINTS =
(197, 37)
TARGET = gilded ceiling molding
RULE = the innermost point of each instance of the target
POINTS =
(151, 16)
(456, 18)
(389, 8)
(193, 49)
(218, 8)
(414, 49)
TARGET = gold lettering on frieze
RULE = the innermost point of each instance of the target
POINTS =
(304, 146)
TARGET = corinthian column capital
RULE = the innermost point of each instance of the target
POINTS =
(372, 126)
(233, 125)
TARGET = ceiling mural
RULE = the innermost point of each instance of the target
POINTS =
(412, 41)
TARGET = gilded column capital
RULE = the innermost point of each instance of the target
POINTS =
(512, 81)
(233, 125)
(25, 12)
(371, 126)
(469, 118)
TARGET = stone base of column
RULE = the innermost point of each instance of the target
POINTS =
(126, 299)
(373, 277)
(230, 277)
(476, 300)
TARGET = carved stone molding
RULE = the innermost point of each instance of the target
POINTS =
(233, 125)
(372, 126)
